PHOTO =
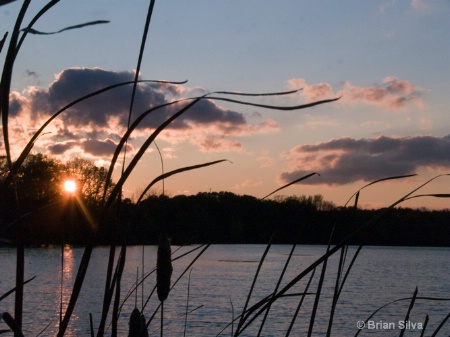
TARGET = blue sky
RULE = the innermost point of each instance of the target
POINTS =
(387, 60)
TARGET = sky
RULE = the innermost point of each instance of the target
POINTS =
(387, 60)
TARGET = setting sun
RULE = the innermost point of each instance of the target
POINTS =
(70, 186)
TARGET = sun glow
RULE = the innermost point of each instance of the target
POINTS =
(70, 186)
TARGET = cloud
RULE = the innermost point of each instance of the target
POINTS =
(347, 160)
(95, 125)
(218, 144)
(419, 4)
(391, 94)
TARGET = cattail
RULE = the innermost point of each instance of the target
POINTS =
(163, 267)
(137, 324)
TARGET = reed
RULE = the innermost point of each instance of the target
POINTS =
(112, 200)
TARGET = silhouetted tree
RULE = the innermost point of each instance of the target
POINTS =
(91, 179)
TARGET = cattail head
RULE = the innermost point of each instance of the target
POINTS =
(163, 267)
(137, 324)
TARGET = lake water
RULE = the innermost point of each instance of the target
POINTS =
(219, 283)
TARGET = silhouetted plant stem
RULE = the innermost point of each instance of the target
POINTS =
(242, 320)
(276, 287)
(425, 323)
(294, 317)
(317, 298)
(162, 319)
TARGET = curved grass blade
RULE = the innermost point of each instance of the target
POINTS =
(277, 286)
(141, 54)
(261, 261)
(5, 295)
(279, 93)
(11, 322)
(375, 182)
(291, 183)
(5, 2)
(317, 298)
(187, 304)
(2, 41)
(5, 83)
(81, 25)
(41, 12)
(294, 317)
(434, 195)
(411, 305)
(425, 323)
(179, 170)
(43, 330)
(275, 107)
(441, 325)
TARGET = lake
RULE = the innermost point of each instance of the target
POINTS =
(215, 290)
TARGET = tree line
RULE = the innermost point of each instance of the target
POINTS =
(50, 217)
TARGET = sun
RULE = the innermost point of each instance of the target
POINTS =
(70, 186)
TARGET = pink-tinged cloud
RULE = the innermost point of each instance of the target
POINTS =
(219, 144)
(314, 92)
(419, 4)
(391, 94)
(347, 160)
(103, 119)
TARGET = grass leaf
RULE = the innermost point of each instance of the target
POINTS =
(91, 23)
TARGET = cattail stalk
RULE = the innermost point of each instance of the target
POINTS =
(163, 268)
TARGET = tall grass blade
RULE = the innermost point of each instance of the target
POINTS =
(411, 305)
(187, 304)
(9, 292)
(276, 287)
(294, 317)
(5, 83)
(12, 323)
(232, 317)
(43, 330)
(441, 325)
(81, 25)
(5, 2)
(425, 323)
(118, 276)
(91, 325)
(2, 41)
(317, 298)
(171, 173)
(141, 54)
(291, 183)
(375, 182)
(261, 261)
(336, 288)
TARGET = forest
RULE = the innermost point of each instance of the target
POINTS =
(50, 217)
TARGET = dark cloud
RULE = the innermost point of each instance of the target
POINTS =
(105, 116)
(60, 148)
(98, 111)
(346, 160)
(100, 148)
